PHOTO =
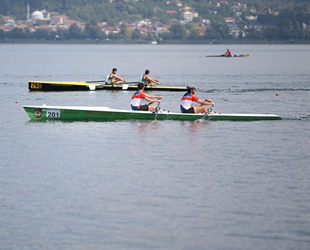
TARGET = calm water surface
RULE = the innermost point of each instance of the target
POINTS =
(162, 185)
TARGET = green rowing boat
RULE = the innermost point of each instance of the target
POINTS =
(82, 113)
(92, 85)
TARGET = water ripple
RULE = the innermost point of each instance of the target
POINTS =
(253, 90)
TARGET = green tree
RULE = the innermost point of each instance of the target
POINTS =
(194, 31)
(258, 5)
(92, 32)
(136, 34)
(125, 31)
(93, 22)
(41, 34)
(221, 28)
(75, 32)
(210, 33)
(271, 33)
(254, 34)
(165, 36)
(113, 36)
(2, 34)
(62, 34)
(178, 31)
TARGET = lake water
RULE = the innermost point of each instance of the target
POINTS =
(162, 185)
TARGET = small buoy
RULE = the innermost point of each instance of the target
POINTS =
(277, 94)
(94, 79)
(16, 101)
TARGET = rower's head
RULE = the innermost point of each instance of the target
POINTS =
(147, 71)
(114, 70)
(191, 89)
(140, 85)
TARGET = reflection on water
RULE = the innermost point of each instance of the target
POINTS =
(146, 126)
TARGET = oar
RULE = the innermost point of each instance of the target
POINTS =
(93, 87)
(156, 113)
(204, 116)
(104, 81)
(131, 82)
(125, 85)
(94, 81)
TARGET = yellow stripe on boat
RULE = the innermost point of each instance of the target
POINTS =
(85, 86)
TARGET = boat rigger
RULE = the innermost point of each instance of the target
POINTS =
(93, 85)
(84, 113)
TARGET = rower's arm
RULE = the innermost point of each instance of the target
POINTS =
(119, 78)
(154, 96)
(151, 79)
(151, 100)
(205, 102)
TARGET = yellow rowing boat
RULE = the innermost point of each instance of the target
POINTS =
(93, 85)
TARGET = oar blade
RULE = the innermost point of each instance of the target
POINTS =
(156, 112)
(92, 87)
(125, 86)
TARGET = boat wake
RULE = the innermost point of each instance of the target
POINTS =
(252, 90)
(297, 118)
(302, 118)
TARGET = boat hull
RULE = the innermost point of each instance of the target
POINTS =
(237, 55)
(81, 113)
(86, 86)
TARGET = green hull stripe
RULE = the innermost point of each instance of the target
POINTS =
(56, 113)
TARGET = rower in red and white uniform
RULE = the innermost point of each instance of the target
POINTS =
(139, 96)
(189, 98)
(228, 53)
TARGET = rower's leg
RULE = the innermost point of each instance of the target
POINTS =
(152, 107)
(200, 109)
(115, 82)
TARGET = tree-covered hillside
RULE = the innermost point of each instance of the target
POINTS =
(113, 11)
(159, 19)
(98, 10)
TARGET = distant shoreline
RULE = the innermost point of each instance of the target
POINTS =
(170, 42)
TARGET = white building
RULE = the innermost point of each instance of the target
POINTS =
(37, 15)
(189, 15)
